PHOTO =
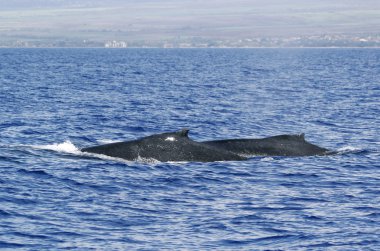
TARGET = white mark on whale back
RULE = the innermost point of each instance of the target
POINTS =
(147, 160)
(170, 139)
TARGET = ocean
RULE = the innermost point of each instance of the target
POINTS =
(56, 101)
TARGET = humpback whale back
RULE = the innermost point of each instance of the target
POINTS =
(280, 145)
(175, 146)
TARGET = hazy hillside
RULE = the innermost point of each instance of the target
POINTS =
(170, 19)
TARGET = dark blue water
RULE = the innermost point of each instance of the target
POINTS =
(55, 101)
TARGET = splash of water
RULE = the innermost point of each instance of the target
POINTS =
(65, 147)
(349, 149)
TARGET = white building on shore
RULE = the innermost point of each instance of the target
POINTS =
(115, 44)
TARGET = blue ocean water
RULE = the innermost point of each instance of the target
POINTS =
(56, 101)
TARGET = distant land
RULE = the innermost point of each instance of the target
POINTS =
(190, 23)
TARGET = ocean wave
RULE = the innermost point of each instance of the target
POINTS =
(70, 148)
(50, 190)
(349, 149)
(267, 159)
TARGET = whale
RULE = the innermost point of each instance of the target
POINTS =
(280, 145)
(178, 147)
(166, 147)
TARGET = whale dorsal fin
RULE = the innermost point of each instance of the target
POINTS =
(294, 137)
(183, 132)
(302, 136)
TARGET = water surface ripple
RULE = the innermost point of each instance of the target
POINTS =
(55, 101)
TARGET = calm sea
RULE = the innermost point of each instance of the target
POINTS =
(56, 101)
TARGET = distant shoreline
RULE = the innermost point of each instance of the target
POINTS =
(191, 48)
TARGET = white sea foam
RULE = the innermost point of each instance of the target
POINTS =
(69, 147)
(267, 159)
(65, 147)
(349, 149)
(107, 141)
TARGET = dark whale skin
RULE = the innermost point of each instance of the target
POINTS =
(281, 145)
(175, 146)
